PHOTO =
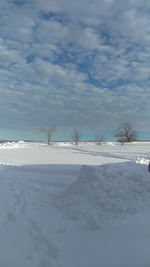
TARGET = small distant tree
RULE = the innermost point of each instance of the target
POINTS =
(126, 133)
(48, 131)
(99, 140)
(76, 136)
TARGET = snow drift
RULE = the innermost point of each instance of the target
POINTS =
(102, 193)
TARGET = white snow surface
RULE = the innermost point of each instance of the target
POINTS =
(67, 206)
(106, 192)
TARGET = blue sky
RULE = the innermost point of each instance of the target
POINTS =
(74, 63)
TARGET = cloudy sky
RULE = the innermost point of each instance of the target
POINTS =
(69, 63)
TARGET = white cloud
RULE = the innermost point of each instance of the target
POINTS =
(50, 32)
(9, 55)
(71, 59)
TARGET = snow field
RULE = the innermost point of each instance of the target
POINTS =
(28, 221)
(63, 206)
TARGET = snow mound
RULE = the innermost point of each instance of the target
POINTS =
(102, 193)
(63, 144)
(21, 144)
(144, 161)
(111, 143)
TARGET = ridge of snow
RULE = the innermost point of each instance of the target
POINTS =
(102, 193)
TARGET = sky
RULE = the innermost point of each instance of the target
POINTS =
(69, 64)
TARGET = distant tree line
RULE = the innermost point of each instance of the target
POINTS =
(124, 133)
(49, 132)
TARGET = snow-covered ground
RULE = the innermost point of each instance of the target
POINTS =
(67, 206)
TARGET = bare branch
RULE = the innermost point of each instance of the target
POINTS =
(49, 132)
(126, 132)
(76, 136)
(99, 140)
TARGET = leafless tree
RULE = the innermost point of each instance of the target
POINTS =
(76, 136)
(99, 139)
(126, 133)
(48, 131)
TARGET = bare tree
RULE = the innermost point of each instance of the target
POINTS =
(48, 131)
(76, 136)
(126, 133)
(99, 139)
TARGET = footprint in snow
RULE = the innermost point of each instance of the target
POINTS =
(42, 246)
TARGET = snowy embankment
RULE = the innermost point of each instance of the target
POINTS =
(106, 192)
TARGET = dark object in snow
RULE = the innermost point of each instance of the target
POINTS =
(149, 166)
